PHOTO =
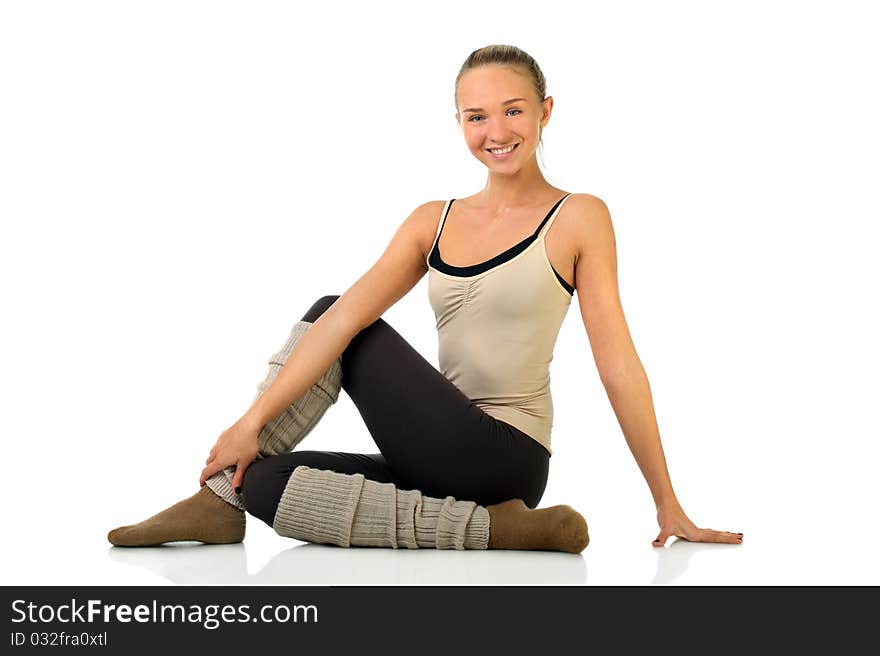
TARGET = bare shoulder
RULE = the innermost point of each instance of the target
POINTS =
(426, 219)
(587, 222)
(585, 207)
(429, 212)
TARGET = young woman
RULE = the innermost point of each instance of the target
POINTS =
(464, 451)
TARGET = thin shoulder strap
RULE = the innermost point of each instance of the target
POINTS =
(551, 217)
(443, 216)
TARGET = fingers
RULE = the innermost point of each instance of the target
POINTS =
(722, 536)
(709, 535)
(212, 456)
(208, 472)
(702, 535)
(238, 477)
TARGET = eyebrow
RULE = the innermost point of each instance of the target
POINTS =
(480, 109)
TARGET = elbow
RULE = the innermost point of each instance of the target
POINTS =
(340, 320)
(621, 374)
(610, 379)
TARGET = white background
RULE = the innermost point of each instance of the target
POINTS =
(179, 181)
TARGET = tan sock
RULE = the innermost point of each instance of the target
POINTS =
(204, 517)
(512, 525)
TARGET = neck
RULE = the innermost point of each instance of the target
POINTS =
(510, 191)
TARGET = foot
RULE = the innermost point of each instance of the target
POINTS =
(512, 525)
(204, 517)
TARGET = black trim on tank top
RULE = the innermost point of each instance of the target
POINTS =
(437, 262)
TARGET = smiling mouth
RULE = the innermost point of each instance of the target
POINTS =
(494, 151)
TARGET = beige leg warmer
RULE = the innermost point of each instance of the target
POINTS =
(328, 507)
(291, 426)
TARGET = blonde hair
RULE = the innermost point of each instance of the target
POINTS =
(514, 57)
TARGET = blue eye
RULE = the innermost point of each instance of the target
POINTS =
(512, 109)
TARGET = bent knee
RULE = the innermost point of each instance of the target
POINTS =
(319, 307)
(261, 489)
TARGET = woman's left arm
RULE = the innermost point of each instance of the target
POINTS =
(620, 369)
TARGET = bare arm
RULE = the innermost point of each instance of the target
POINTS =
(621, 370)
(313, 354)
(396, 272)
(619, 366)
(401, 266)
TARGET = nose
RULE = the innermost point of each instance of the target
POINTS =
(496, 134)
(498, 139)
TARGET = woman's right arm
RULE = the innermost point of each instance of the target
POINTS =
(396, 272)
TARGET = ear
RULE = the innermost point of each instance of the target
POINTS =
(548, 109)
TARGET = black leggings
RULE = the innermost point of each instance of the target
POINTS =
(431, 437)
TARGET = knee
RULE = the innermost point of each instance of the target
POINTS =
(261, 489)
(319, 307)
(532, 500)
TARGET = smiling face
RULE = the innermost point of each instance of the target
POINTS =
(498, 107)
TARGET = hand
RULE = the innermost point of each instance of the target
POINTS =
(237, 445)
(673, 521)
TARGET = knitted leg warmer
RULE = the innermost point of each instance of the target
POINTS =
(328, 507)
(288, 429)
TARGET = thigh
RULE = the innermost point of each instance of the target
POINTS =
(433, 437)
(265, 479)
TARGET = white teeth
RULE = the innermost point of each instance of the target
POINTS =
(501, 151)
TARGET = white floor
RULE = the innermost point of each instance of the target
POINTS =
(73, 551)
(265, 558)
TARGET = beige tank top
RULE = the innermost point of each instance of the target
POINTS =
(497, 324)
